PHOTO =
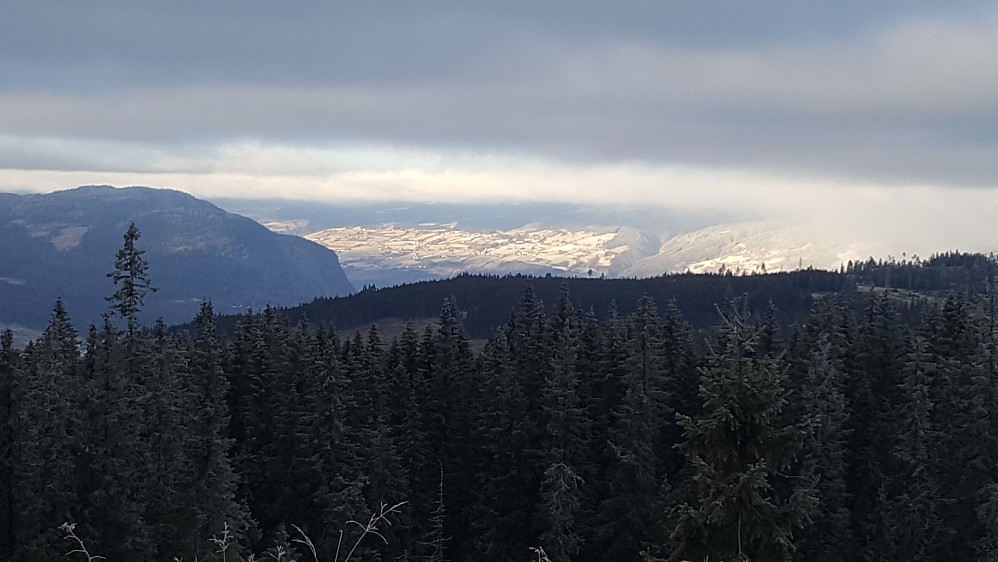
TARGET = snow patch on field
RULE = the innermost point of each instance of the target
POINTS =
(68, 237)
(61, 236)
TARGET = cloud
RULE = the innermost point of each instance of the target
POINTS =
(353, 173)
(850, 113)
(901, 102)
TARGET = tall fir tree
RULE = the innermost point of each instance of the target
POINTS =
(119, 459)
(164, 401)
(873, 375)
(603, 398)
(48, 439)
(629, 514)
(821, 395)
(910, 518)
(501, 521)
(564, 443)
(679, 363)
(405, 393)
(748, 499)
(334, 493)
(125, 481)
(281, 451)
(130, 276)
(561, 504)
(205, 500)
(386, 478)
(962, 393)
(451, 382)
(8, 395)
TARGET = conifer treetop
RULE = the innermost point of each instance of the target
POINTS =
(131, 277)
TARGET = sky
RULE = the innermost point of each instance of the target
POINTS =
(873, 117)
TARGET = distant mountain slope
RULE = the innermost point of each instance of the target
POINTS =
(391, 254)
(64, 244)
(751, 247)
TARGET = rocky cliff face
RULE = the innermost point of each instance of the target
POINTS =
(63, 244)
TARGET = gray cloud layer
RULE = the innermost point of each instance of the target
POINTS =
(892, 92)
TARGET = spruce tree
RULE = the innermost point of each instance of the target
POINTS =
(165, 401)
(8, 393)
(124, 482)
(406, 391)
(280, 447)
(47, 440)
(333, 493)
(560, 507)
(205, 499)
(511, 427)
(386, 478)
(873, 370)
(120, 460)
(821, 395)
(629, 514)
(679, 363)
(451, 382)
(502, 511)
(603, 400)
(910, 516)
(962, 393)
(561, 412)
(564, 443)
(530, 344)
(748, 499)
(770, 337)
(130, 278)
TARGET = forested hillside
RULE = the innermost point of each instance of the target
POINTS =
(853, 435)
(485, 301)
(62, 244)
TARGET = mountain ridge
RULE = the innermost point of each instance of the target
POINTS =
(389, 254)
(392, 254)
(62, 245)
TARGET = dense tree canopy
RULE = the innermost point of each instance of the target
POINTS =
(865, 433)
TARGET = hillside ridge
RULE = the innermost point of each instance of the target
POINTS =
(63, 244)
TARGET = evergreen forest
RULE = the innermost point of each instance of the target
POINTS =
(863, 431)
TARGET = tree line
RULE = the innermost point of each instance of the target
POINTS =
(852, 436)
(486, 300)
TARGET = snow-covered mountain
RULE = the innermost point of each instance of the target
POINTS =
(753, 247)
(392, 254)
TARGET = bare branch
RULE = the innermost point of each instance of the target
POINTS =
(70, 530)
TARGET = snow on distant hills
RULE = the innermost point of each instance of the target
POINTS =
(392, 254)
(751, 247)
(387, 244)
